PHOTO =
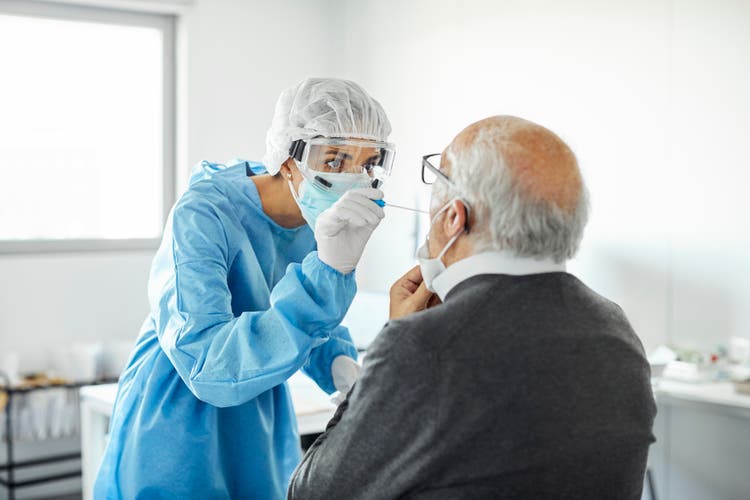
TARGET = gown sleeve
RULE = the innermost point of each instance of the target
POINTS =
(318, 365)
(226, 360)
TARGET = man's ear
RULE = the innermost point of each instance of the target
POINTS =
(455, 218)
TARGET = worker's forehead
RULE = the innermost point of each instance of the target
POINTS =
(349, 149)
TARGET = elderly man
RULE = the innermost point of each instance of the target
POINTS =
(520, 382)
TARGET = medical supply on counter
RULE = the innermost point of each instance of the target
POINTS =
(698, 366)
(685, 371)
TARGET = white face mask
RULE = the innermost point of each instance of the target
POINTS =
(432, 267)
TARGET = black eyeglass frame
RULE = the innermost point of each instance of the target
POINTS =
(429, 166)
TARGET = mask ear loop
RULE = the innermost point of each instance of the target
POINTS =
(291, 189)
(467, 211)
(447, 246)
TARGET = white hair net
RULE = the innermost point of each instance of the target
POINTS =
(326, 107)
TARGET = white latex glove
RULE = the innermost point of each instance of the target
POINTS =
(343, 230)
(345, 372)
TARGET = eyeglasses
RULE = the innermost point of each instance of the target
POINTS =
(431, 169)
(430, 173)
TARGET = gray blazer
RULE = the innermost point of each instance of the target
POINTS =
(527, 387)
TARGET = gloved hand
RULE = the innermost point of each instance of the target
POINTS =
(343, 230)
(345, 372)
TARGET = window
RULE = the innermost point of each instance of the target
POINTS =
(86, 127)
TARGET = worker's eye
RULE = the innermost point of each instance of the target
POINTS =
(334, 164)
(371, 163)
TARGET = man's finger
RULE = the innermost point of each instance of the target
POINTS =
(421, 294)
(434, 301)
(414, 275)
(409, 281)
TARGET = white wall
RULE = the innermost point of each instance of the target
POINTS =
(709, 206)
(241, 53)
(651, 95)
(51, 301)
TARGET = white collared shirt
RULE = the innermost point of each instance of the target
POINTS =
(501, 262)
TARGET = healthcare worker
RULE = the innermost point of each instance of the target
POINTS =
(240, 300)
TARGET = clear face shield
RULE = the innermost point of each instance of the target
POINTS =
(337, 165)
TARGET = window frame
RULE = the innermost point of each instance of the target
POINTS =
(167, 24)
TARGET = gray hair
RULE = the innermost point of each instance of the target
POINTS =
(506, 215)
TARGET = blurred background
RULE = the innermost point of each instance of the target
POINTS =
(105, 105)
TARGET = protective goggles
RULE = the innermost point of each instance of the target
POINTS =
(323, 155)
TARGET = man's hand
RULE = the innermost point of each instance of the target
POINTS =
(409, 294)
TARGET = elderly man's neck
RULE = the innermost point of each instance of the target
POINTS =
(461, 249)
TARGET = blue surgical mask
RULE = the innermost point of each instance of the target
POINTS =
(314, 199)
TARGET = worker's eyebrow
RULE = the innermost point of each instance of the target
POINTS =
(336, 152)
(376, 156)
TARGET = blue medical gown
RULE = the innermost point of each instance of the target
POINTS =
(238, 304)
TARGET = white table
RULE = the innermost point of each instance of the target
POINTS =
(311, 405)
(720, 396)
